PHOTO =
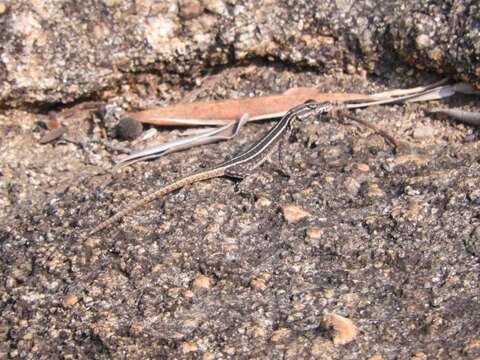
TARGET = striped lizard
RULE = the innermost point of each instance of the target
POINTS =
(237, 167)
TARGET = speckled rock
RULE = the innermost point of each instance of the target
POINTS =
(45, 59)
(215, 270)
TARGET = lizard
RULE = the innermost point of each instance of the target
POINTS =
(237, 167)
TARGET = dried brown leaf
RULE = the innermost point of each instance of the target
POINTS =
(233, 109)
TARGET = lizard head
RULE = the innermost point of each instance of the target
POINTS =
(311, 108)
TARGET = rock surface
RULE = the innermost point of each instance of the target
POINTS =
(391, 244)
(61, 51)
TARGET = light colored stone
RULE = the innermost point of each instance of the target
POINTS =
(208, 356)
(188, 347)
(111, 3)
(188, 294)
(136, 329)
(329, 293)
(293, 214)
(472, 345)
(190, 9)
(259, 331)
(279, 334)
(363, 167)
(419, 356)
(191, 323)
(374, 191)
(345, 329)
(262, 201)
(201, 282)
(315, 233)
(230, 350)
(215, 6)
(351, 185)
(436, 54)
(69, 300)
(258, 284)
(474, 195)
(423, 41)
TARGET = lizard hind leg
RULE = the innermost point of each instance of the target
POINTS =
(236, 174)
(282, 168)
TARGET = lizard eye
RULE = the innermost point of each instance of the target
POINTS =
(311, 104)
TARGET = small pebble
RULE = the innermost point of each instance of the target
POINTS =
(258, 284)
(174, 292)
(208, 356)
(262, 201)
(293, 214)
(201, 282)
(279, 334)
(474, 195)
(216, 6)
(363, 167)
(69, 300)
(374, 191)
(189, 347)
(135, 329)
(345, 329)
(351, 185)
(419, 356)
(423, 41)
(259, 331)
(190, 323)
(329, 293)
(436, 54)
(128, 129)
(190, 9)
(472, 345)
(111, 3)
(230, 350)
(351, 69)
(315, 233)
(188, 294)
(476, 232)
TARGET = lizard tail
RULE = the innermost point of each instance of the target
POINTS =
(155, 195)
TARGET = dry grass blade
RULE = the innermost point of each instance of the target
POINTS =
(436, 93)
(467, 117)
(405, 92)
(224, 133)
(465, 88)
